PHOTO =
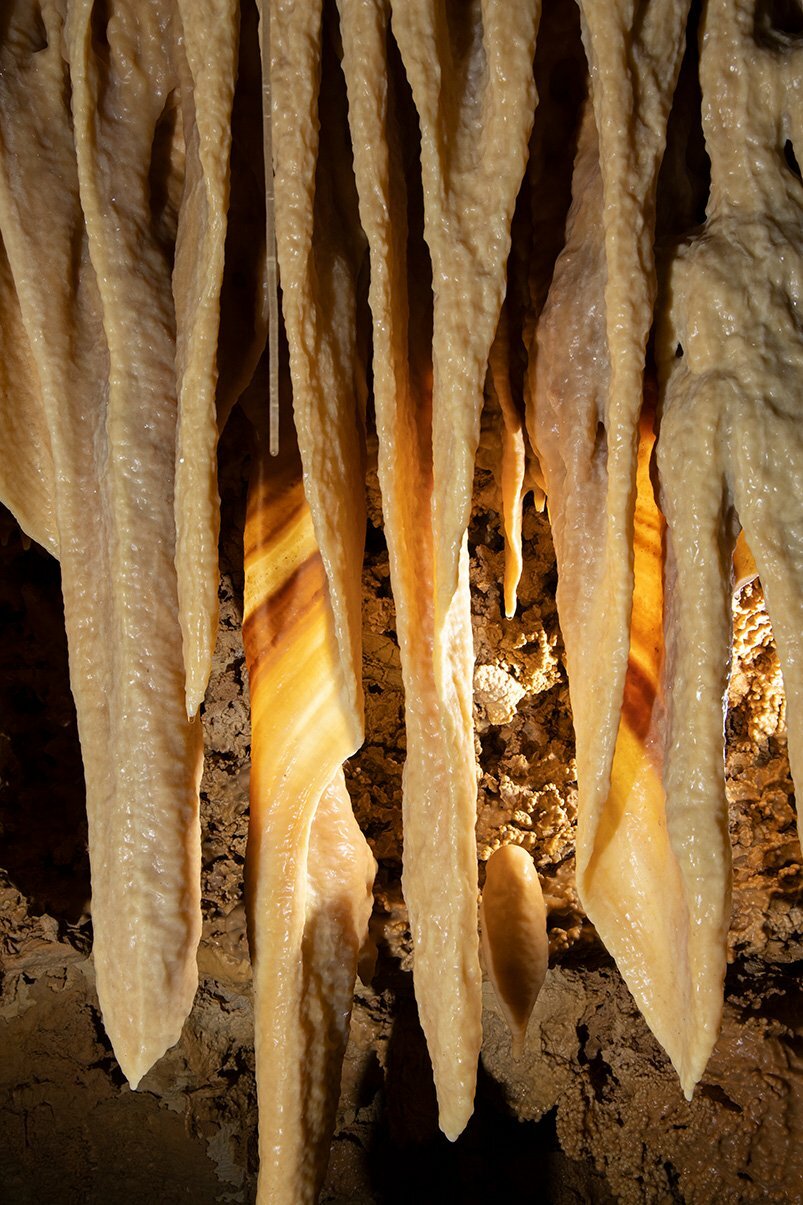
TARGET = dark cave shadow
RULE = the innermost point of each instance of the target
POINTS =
(43, 830)
(497, 1158)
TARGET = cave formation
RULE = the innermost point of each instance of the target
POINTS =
(474, 340)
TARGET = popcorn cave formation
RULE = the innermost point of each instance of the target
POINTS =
(495, 641)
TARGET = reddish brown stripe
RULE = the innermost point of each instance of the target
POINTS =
(272, 622)
(284, 512)
(639, 700)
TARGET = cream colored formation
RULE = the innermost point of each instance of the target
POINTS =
(402, 136)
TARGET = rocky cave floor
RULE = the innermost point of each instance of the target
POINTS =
(593, 1111)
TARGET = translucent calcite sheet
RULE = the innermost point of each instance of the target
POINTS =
(310, 871)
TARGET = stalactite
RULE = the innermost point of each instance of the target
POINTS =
(440, 238)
